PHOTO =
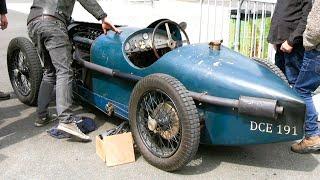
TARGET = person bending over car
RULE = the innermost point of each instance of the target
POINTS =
(47, 28)
(309, 80)
(4, 25)
(287, 26)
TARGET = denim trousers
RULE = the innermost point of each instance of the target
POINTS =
(290, 63)
(308, 81)
(53, 44)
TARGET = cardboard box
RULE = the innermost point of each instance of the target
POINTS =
(116, 149)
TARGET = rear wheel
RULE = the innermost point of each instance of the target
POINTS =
(164, 122)
(25, 70)
(272, 68)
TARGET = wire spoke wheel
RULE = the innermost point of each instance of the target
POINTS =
(164, 122)
(20, 73)
(158, 123)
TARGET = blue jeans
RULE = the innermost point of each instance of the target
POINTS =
(290, 64)
(308, 81)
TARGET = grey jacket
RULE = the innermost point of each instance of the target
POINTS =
(311, 36)
(62, 9)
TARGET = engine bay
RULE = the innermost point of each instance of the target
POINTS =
(83, 35)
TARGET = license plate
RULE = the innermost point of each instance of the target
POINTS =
(271, 128)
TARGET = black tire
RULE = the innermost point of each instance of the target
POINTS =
(272, 67)
(32, 69)
(185, 111)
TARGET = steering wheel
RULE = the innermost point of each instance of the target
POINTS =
(171, 43)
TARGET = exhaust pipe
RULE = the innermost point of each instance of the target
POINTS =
(252, 106)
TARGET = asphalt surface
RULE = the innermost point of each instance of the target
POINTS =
(27, 152)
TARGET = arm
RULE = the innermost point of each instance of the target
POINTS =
(311, 36)
(93, 8)
(306, 7)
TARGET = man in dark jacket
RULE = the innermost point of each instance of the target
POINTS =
(288, 24)
(47, 27)
(4, 25)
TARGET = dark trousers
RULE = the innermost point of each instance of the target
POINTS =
(290, 64)
(52, 41)
(308, 81)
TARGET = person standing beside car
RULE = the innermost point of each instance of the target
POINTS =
(4, 25)
(287, 26)
(309, 80)
(47, 28)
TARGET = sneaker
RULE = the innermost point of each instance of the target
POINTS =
(44, 121)
(72, 128)
(4, 96)
(307, 145)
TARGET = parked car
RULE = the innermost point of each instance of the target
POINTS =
(175, 95)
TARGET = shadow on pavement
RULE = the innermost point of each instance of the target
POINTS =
(273, 156)
(18, 130)
(11, 111)
(17, 122)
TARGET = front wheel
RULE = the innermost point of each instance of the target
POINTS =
(25, 70)
(164, 122)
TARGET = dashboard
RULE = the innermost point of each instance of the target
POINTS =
(141, 41)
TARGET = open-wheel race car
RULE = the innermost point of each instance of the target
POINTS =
(175, 95)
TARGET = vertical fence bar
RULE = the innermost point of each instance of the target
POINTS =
(255, 29)
(215, 19)
(222, 21)
(238, 26)
(272, 9)
(229, 11)
(208, 19)
(244, 45)
(270, 49)
(200, 27)
(261, 32)
(252, 31)
(264, 28)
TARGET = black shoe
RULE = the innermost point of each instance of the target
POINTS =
(4, 96)
(44, 121)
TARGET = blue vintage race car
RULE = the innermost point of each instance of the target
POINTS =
(175, 95)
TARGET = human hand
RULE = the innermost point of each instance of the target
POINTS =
(286, 48)
(107, 25)
(4, 21)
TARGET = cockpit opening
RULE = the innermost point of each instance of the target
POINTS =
(146, 46)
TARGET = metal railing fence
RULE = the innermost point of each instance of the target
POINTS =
(242, 24)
